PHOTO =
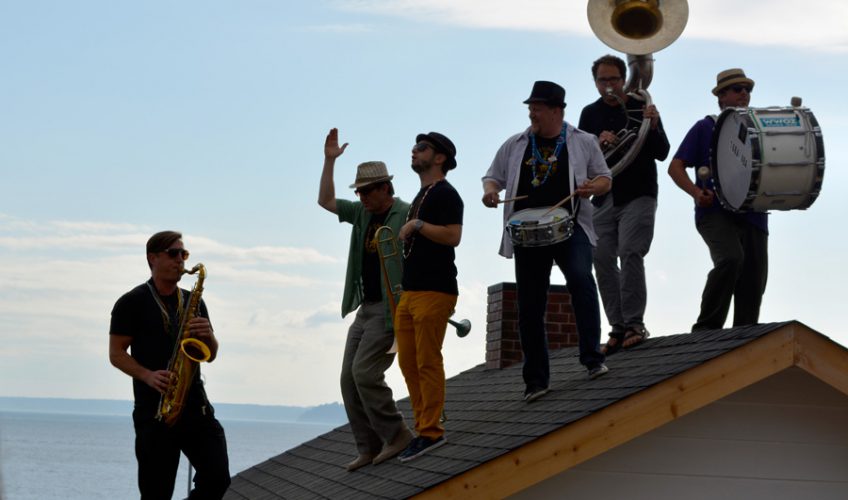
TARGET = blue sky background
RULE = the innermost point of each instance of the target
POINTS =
(120, 119)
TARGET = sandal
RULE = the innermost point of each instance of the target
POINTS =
(614, 343)
(634, 337)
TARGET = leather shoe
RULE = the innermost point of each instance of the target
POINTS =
(398, 444)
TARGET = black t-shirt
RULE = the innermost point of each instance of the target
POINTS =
(640, 177)
(136, 314)
(371, 270)
(552, 181)
(429, 266)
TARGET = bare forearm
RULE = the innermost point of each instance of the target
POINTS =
(677, 172)
(327, 189)
(127, 364)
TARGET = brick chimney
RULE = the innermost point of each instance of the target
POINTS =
(503, 346)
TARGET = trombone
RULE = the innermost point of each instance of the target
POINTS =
(390, 257)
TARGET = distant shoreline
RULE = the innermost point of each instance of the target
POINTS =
(330, 413)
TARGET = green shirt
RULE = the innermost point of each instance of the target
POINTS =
(354, 213)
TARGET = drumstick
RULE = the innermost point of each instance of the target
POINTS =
(564, 200)
(704, 174)
(561, 203)
(513, 199)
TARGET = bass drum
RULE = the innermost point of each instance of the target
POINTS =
(767, 159)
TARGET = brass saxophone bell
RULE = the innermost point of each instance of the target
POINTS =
(195, 350)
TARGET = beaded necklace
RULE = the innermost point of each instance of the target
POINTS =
(407, 249)
(546, 165)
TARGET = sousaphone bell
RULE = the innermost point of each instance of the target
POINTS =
(638, 28)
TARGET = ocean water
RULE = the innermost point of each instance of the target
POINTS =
(84, 457)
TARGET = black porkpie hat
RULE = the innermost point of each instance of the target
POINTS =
(548, 93)
(442, 145)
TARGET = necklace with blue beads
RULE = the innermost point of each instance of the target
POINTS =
(546, 166)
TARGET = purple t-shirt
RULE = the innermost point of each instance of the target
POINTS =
(694, 151)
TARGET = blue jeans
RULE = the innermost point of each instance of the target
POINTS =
(533, 277)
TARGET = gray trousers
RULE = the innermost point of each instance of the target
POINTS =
(624, 235)
(739, 252)
(368, 401)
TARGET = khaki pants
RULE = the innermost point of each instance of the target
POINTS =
(421, 320)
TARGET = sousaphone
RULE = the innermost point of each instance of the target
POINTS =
(638, 28)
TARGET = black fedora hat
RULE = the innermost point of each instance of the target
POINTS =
(442, 145)
(548, 93)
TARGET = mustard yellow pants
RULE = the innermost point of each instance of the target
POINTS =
(421, 319)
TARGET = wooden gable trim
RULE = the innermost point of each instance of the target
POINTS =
(649, 409)
(822, 358)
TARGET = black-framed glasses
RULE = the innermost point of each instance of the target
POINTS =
(175, 252)
(610, 79)
(422, 146)
(739, 88)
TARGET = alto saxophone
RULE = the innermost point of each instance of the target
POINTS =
(188, 352)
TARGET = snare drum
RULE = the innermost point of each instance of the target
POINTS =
(767, 159)
(532, 228)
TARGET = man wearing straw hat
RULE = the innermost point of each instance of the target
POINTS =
(738, 242)
(378, 427)
(540, 167)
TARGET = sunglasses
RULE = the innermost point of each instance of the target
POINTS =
(423, 146)
(364, 190)
(174, 252)
(740, 88)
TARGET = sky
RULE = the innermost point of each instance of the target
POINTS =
(121, 119)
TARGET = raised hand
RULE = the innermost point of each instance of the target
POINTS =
(331, 145)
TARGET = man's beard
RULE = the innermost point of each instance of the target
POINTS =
(420, 166)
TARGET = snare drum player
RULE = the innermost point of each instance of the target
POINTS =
(624, 218)
(432, 232)
(377, 425)
(546, 163)
(738, 242)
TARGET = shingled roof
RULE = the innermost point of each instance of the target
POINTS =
(491, 433)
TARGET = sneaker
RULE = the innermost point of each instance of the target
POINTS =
(534, 393)
(597, 371)
(398, 444)
(420, 446)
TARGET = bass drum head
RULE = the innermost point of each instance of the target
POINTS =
(732, 157)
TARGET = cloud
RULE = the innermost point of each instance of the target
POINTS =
(19, 235)
(777, 23)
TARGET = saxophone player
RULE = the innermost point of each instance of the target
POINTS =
(144, 328)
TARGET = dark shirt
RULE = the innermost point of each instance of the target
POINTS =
(136, 314)
(553, 185)
(429, 266)
(694, 152)
(371, 269)
(640, 177)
